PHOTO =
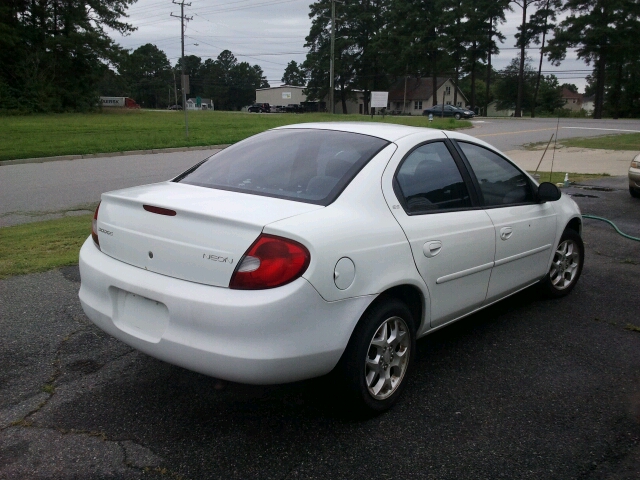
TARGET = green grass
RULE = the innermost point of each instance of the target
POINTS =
(123, 130)
(627, 141)
(558, 177)
(41, 246)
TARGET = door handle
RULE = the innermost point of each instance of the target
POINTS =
(506, 232)
(431, 249)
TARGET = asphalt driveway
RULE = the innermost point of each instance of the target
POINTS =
(529, 388)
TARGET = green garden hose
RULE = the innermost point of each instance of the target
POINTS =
(613, 225)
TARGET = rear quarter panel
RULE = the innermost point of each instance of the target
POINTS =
(360, 226)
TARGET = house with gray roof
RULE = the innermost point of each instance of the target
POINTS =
(415, 94)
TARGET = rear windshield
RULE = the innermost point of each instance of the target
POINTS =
(306, 165)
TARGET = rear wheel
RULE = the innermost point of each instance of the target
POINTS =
(375, 363)
(566, 265)
(634, 193)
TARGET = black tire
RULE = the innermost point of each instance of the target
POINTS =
(393, 363)
(566, 266)
(634, 193)
(457, 116)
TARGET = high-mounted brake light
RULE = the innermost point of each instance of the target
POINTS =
(94, 227)
(159, 210)
(270, 262)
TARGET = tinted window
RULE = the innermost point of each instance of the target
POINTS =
(310, 166)
(429, 180)
(500, 182)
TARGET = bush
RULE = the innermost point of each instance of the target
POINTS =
(566, 113)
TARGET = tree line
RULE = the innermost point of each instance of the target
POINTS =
(147, 76)
(378, 42)
(56, 56)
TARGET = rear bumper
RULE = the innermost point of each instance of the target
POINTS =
(259, 337)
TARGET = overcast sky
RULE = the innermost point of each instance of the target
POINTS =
(270, 33)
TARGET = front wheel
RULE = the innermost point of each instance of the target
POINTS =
(375, 363)
(566, 265)
(634, 193)
(458, 116)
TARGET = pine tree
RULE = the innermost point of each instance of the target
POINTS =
(294, 75)
(53, 52)
(603, 33)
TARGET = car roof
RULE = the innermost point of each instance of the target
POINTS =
(386, 131)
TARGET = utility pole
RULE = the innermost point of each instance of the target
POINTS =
(404, 100)
(175, 86)
(332, 61)
(183, 19)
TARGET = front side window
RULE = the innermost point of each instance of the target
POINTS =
(501, 183)
(429, 181)
(306, 165)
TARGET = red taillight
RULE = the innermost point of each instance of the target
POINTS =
(94, 227)
(270, 262)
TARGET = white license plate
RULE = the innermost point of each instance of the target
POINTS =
(139, 316)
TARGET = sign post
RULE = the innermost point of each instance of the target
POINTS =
(379, 100)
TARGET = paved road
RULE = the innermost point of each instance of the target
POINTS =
(513, 133)
(528, 389)
(40, 191)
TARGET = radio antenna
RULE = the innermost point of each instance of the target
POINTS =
(545, 151)
(554, 149)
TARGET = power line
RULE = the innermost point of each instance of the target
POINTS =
(235, 9)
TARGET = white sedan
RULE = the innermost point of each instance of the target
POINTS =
(327, 247)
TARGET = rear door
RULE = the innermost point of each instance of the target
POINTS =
(524, 229)
(451, 238)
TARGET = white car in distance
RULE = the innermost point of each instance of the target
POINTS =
(326, 247)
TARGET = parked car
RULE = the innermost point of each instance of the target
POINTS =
(634, 177)
(174, 107)
(260, 108)
(318, 248)
(294, 108)
(449, 111)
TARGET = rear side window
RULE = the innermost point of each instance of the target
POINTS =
(312, 166)
(501, 183)
(429, 181)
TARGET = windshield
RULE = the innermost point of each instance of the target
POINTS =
(306, 165)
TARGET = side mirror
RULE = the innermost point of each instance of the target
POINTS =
(548, 192)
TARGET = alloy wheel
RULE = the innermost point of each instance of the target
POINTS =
(387, 358)
(564, 267)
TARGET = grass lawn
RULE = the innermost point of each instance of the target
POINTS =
(122, 130)
(40, 246)
(558, 177)
(625, 141)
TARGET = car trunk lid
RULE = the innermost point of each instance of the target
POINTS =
(184, 231)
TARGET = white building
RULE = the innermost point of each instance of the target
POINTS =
(199, 104)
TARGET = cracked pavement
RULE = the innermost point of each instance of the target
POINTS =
(529, 388)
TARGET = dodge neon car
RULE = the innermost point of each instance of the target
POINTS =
(327, 247)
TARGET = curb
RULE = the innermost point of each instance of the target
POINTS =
(58, 158)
